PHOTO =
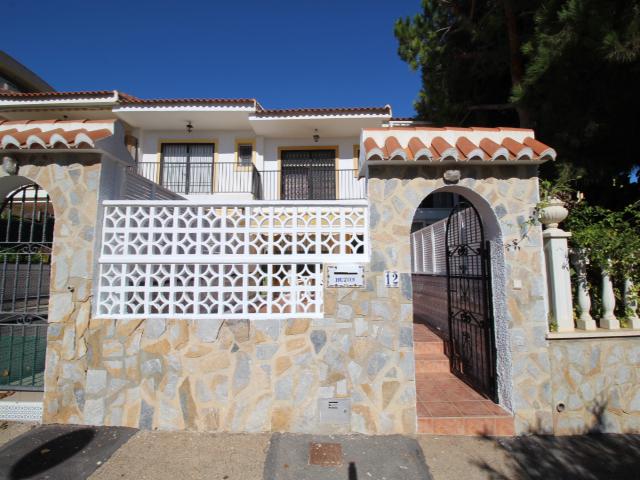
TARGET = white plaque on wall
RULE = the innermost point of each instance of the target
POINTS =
(345, 276)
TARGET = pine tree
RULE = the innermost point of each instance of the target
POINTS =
(568, 68)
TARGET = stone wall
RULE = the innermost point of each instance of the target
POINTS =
(254, 376)
(269, 375)
(596, 375)
(73, 188)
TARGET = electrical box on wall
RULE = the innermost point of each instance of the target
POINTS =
(334, 411)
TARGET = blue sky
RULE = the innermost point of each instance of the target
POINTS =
(293, 53)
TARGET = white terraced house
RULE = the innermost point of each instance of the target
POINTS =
(214, 265)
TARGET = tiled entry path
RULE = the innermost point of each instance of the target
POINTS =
(446, 405)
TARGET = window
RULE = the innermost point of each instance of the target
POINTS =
(308, 174)
(245, 154)
(187, 167)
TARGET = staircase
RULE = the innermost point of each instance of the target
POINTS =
(446, 405)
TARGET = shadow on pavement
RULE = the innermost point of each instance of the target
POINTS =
(60, 451)
(51, 453)
(588, 455)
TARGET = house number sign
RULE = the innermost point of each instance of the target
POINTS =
(391, 279)
(345, 276)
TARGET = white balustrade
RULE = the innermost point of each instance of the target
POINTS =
(631, 304)
(585, 321)
(608, 320)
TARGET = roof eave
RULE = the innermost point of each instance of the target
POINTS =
(13, 103)
(319, 116)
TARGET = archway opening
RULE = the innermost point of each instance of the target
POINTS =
(452, 238)
(26, 240)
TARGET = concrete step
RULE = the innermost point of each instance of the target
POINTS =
(426, 363)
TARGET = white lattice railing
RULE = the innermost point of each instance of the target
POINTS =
(428, 249)
(188, 260)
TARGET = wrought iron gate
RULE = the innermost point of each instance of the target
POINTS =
(471, 337)
(26, 239)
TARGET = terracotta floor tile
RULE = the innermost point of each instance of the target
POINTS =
(465, 394)
(422, 410)
(495, 409)
(448, 406)
(448, 426)
(472, 408)
(425, 425)
(442, 409)
(437, 396)
(505, 426)
(480, 426)
(430, 398)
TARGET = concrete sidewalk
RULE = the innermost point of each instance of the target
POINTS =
(140, 455)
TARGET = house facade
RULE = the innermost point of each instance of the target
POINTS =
(209, 264)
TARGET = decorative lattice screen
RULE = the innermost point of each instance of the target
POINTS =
(182, 260)
(428, 254)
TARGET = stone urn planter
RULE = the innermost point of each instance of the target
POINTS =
(553, 213)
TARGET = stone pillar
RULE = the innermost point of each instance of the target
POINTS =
(556, 252)
(609, 320)
(631, 302)
(585, 321)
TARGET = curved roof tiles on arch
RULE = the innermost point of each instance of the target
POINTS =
(472, 144)
(53, 134)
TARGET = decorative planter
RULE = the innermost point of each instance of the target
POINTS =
(554, 213)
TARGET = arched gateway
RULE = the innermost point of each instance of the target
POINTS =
(452, 259)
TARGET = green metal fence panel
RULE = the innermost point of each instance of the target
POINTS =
(22, 356)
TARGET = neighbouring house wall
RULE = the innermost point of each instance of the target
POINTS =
(596, 373)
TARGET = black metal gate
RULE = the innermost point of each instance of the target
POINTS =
(471, 338)
(26, 239)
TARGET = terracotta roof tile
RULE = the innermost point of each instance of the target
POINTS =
(467, 147)
(393, 149)
(371, 148)
(174, 101)
(87, 93)
(418, 149)
(539, 148)
(444, 149)
(298, 112)
(54, 138)
(23, 135)
(99, 134)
